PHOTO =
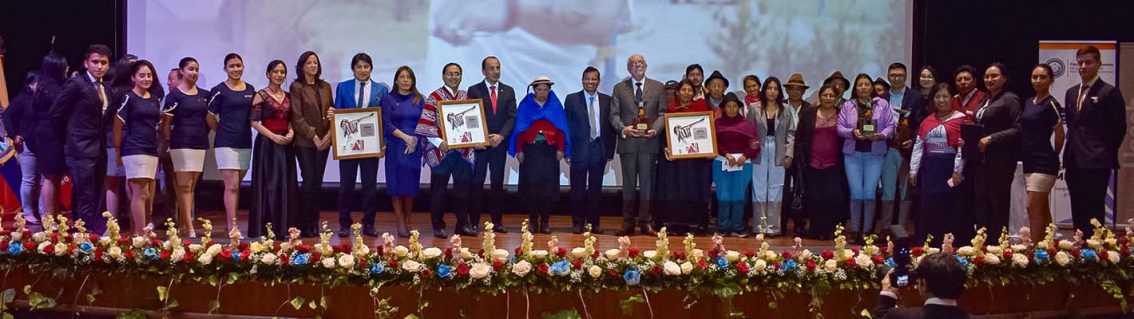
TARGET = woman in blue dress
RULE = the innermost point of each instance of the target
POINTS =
(401, 109)
(187, 131)
(136, 136)
(229, 111)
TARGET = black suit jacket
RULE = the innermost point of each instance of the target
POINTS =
(504, 119)
(78, 113)
(578, 123)
(886, 310)
(1001, 122)
(1095, 130)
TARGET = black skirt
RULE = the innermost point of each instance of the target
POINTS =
(939, 213)
(824, 199)
(539, 177)
(683, 191)
(275, 189)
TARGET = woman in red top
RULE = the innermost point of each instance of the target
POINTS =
(539, 142)
(274, 188)
(817, 149)
(737, 140)
(683, 185)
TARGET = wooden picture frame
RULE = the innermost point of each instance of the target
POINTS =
(463, 123)
(357, 133)
(690, 135)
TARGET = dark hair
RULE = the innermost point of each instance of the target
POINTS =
(942, 86)
(128, 58)
(692, 67)
(590, 69)
(764, 91)
(1090, 49)
(185, 62)
(119, 75)
(155, 89)
(828, 86)
(943, 274)
(53, 68)
(883, 83)
(684, 82)
(272, 66)
(1046, 68)
(300, 75)
(363, 57)
(964, 69)
(751, 77)
(31, 78)
(854, 84)
(231, 56)
(1003, 72)
(932, 72)
(484, 62)
(413, 87)
(103, 50)
(897, 65)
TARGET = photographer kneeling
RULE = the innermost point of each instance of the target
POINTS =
(941, 281)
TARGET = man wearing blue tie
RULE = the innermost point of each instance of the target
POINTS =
(359, 92)
(80, 112)
(592, 147)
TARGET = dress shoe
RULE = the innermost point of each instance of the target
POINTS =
(466, 231)
(344, 232)
(440, 233)
(649, 231)
(369, 231)
(627, 231)
(499, 228)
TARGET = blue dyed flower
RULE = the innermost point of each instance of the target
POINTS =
(1088, 253)
(790, 265)
(890, 262)
(1042, 255)
(560, 268)
(298, 260)
(375, 268)
(86, 247)
(235, 256)
(444, 271)
(722, 263)
(15, 248)
(632, 277)
(150, 253)
(964, 262)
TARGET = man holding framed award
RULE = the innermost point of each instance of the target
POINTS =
(453, 126)
(635, 108)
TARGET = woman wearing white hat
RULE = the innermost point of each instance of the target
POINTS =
(539, 142)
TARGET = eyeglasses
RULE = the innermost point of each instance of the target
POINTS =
(637, 63)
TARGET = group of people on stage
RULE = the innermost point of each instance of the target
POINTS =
(805, 163)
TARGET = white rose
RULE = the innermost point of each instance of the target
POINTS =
(806, 255)
(39, 237)
(465, 253)
(1062, 258)
(1094, 244)
(346, 261)
(500, 254)
(650, 254)
(1112, 256)
(114, 252)
(771, 255)
(480, 270)
(267, 259)
(612, 254)
(870, 250)
(539, 254)
(759, 266)
(328, 262)
(595, 271)
(1065, 244)
(698, 253)
(830, 265)
(60, 249)
(760, 237)
(732, 255)
(205, 259)
(431, 252)
(1020, 260)
(285, 246)
(256, 247)
(411, 266)
(16, 236)
(139, 242)
(686, 268)
(933, 250)
(847, 252)
(991, 259)
(364, 250)
(1041, 245)
(401, 251)
(196, 248)
(213, 250)
(578, 252)
(864, 261)
(995, 250)
(671, 268)
(1019, 248)
(966, 251)
(521, 268)
(177, 255)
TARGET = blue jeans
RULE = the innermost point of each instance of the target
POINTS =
(863, 172)
(29, 185)
(730, 195)
(891, 176)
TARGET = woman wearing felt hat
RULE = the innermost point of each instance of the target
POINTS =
(539, 142)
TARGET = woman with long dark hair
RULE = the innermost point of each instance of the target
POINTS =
(310, 100)
(274, 192)
(229, 111)
(683, 185)
(19, 123)
(45, 141)
(1039, 120)
(818, 153)
(999, 114)
(136, 138)
(401, 109)
(775, 124)
(866, 122)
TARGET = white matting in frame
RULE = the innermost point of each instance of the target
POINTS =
(357, 133)
(691, 135)
(463, 124)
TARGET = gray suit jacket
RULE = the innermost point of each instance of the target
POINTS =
(624, 112)
(785, 130)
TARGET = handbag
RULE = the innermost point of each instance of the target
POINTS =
(797, 193)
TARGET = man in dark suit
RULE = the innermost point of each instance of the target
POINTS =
(1096, 124)
(942, 281)
(592, 147)
(896, 165)
(82, 113)
(637, 146)
(500, 110)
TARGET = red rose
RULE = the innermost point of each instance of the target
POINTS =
(576, 263)
(426, 272)
(884, 250)
(679, 255)
(613, 273)
(742, 267)
(877, 260)
(827, 254)
(811, 264)
(1103, 254)
(518, 251)
(714, 253)
(750, 254)
(655, 270)
(185, 242)
(595, 254)
(164, 254)
(225, 254)
(562, 252)
(917, 251)
(98, 254)
(1125, 252)
(315, 257)
(633, 251)
(283, 259)
(481, 252)
(542, 268)
(244, 255)
(449, 253)
(463, 269)
(49, 249)
(123, 241)
(1076, 253)
(128, 253)
(786, 254)
(71, 248)
(54, 237)
(855, 250)
(188, 257)
(4, 245)
(1007, 255)
(702, 264)
(243, 246)
(851, 262)
(28, 245)
(393, 263)
(497, 264)
(362, 263)
(155, 242)
(93, 237)
(776, 264)
(979, 259)
(303, 249)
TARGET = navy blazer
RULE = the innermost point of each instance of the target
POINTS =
(344, 94)
(502, 120)
(579, 125)
(78, 113)
(1094, 131)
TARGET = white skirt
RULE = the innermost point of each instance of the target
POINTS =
(233, 158)
(140, 166)
(187, 160)
(112, 168)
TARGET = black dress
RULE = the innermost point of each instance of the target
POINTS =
(683, 192)
(47, 143)
(275, 185)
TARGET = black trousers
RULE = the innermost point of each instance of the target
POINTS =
(462, 173)
(586, 187)
(348, 169)
(1087, 187)
(993, 194)
(312, 164)
(491, 159)
(87, 191)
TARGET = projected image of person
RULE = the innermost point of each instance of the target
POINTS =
(310, 99)
(401, 110)
(275, 196)
(539, 143)
(683, 185)
(444, 162)
(185, 127)
(230, 109)
(776, 126)
(359, 92)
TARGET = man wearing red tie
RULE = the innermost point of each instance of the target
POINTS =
(1096, 124)
(499, 102)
